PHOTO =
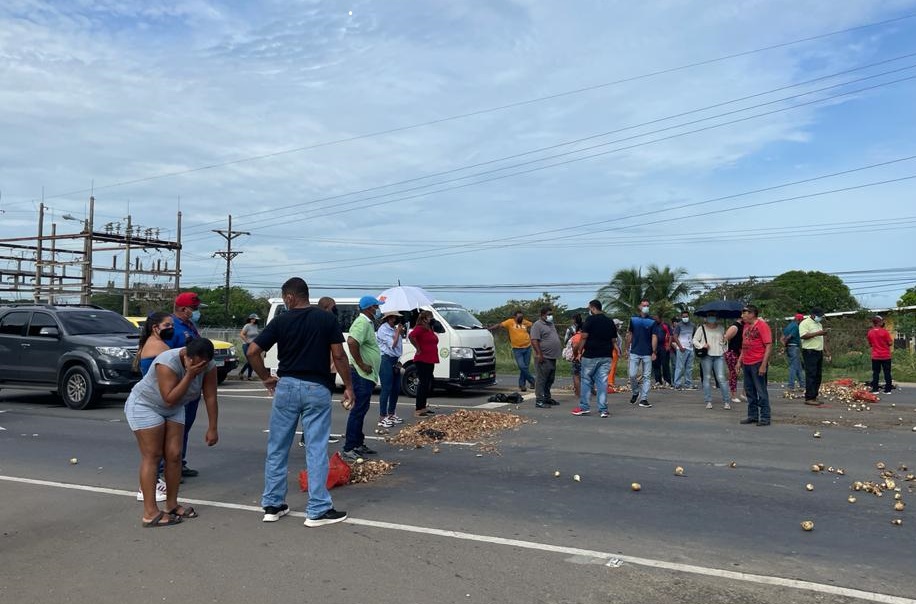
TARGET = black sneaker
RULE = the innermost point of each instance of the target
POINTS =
(764, 423)
(748, 420)
(633, 399)
(542, 405)
(645, 403)
(187, 472)
(329, 517)
(553, 401)
(273, 513)
(364, 450)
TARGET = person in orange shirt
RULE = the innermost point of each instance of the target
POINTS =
(520, 341)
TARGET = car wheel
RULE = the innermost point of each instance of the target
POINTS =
(77, 389)
(221, 374)
(409, 381)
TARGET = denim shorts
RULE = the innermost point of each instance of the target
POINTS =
(141, 417)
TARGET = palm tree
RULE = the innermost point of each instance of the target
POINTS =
(622, 294)
(666, 289)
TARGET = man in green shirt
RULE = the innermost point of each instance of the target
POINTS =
(812, 335)
(367, 358)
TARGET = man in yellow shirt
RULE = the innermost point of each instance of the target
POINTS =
(812, 334)
(520, 341)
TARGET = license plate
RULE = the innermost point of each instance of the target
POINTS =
(486, 376)
(220, 363)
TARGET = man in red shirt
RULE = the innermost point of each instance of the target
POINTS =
(881, 344)
(756, 347)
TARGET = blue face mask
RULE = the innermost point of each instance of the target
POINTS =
(711, 319)
(818, 319)
(195, 317)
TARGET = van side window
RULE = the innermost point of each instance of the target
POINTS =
(346, 314)
(13, 324)
(38, 321)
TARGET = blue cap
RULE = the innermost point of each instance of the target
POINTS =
(367, 301)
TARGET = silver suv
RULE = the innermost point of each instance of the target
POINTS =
(80, 352)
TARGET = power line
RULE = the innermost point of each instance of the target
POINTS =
(491, 109)
(288, 220)
(590, 137)
(267, 222)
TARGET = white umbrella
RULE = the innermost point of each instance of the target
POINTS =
(404, 297)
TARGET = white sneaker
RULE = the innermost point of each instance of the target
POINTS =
(726, 406)
(160, 491)
(384, 422)
(709, 405)
(394, 419)
(736, 400)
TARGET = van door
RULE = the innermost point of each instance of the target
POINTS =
(40, 356)
(12, 340)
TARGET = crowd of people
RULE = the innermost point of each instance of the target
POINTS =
(657, 350)
(178, 370)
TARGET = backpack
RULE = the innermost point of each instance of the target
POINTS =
(568, 350)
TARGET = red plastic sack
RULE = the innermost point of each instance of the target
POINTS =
(338, 473)
(848, 382)
(865, 395)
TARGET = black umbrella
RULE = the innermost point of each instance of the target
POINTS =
(727, 309)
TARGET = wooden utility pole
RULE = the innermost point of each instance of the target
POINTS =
(38, 264)
(228, 254)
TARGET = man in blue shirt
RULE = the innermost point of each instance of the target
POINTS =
(792, 341)
(185, 317)
(642, 345)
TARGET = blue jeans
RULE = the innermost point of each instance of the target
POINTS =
(391, 385)
(594, 372)
(523, 360)
(362, 392)
(793, 355)
(714, 365)
(755, 389)
(683, 374)
(312, 402)
(247, 366)
(635, 376)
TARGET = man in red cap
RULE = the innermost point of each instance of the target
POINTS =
(792, 341)
(185, 316)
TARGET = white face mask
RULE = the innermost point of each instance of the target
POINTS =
(685, 319)
(645, 310)
(549, 318)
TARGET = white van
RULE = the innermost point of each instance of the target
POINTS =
(467, 354)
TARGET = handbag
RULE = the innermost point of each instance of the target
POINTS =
(702, 352)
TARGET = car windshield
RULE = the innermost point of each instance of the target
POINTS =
(458, 316)
(82, 322)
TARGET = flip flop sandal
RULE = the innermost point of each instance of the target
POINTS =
(187, 513)
(155, 522)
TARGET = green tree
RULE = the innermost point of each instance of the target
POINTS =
(666, 289)
(531, 309)
(622, 294)
(803, 290)
(906, 321)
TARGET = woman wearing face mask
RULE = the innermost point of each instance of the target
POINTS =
(711, 337)
(573, 332)
(158, 328)
(734, 338)
(155, 412)
(425, 340)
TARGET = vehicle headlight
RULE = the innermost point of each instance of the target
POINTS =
(116, 352)
(232, 351)
(462, 353)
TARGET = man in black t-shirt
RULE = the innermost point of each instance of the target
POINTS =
(599, 336)
(305, 335)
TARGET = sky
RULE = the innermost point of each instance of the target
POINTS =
(486, 150)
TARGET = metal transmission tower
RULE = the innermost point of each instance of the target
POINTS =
(228, 254)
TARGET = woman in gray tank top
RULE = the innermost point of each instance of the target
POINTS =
(155, 413)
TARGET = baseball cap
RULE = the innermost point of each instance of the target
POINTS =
(367, 301)
(799, 316)
(877, 319)
(188, 299)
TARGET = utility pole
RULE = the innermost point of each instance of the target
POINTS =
(228, 254)
(38, 259)
(127, 235)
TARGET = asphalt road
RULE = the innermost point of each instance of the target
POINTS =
(455, 527)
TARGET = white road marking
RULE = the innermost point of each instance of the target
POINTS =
(444, 442)
(491, 405)
(2, 428)
(531, 545)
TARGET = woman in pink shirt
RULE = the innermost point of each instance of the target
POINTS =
(425, 340)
